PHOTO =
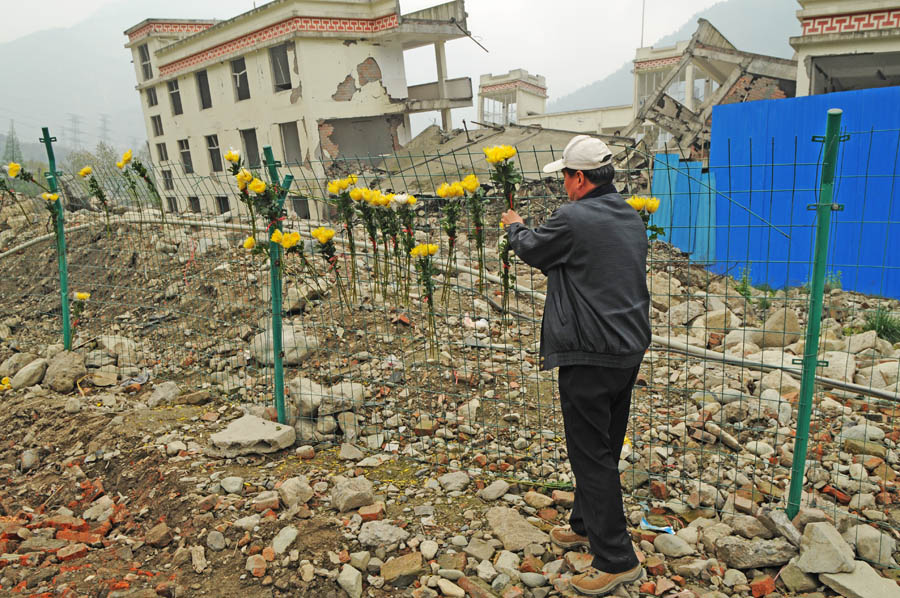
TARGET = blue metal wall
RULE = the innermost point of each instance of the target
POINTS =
(766, 167)
(687, 206)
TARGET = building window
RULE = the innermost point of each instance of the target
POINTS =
(222, 204)
(168, 183)
(151, 97)
(290, 143)
(194, 204)
(156, 121)
(251, 148)
(281, 72)
(174, 96)
(215, 156)
(144, 55)
(161, 152)
(301, 207)
(173, 204)
(185, 150)
(203, 90)
(241, 83)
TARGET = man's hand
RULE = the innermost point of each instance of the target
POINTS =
(510, 216)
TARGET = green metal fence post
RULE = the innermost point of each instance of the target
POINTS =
(59, 223)
(817, 288)
(275, 256)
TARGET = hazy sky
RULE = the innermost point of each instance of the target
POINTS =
(571, 42)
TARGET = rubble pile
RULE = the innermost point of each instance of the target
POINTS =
(146, 462)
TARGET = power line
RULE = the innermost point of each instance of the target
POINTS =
(75, 129)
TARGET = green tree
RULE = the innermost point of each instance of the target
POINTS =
(12, 152)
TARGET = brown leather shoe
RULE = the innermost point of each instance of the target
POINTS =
(594, 582)
(564, 537)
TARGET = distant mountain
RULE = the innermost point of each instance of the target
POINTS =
(85, 71)
(759, 26)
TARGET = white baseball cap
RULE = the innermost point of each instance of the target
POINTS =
(583, 152)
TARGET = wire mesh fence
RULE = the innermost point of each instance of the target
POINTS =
(373, 355)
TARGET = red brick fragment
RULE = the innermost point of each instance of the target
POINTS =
(72, 551)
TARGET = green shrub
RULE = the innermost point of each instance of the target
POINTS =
(886, 325)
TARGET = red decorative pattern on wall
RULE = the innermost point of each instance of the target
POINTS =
(852, 23)
(536, 89)
(281, 29)
(658, 63)
(150, 28)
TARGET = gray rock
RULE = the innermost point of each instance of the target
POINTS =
(198, 559)
(348, 425)
(381, 533)
(352, 494)
(296, 346)
(494, 490)
(823, 550)
(780, 329)
(117, 345)
(733, 577)
(672, 546)
(344, 396)
(513, 530)
(533, 580)
(349, 452)
(485, 570)
(747, 526)
(429, 549)
(248, 523)
(455, 480)
(306, 395)
(869, 432)
(29, 460)
(283, 540)
(251, 435)
(215, 541)
(871, 544)
(73, 405)
(232, 484)
(479, 549)
(360, 560)
(63, 370)
(163, 393)
(741, 553)
(30, 375)
(15, 362)
(350, 580)
(778, 523)
(796, 579)
(862, 582)
(294, 491)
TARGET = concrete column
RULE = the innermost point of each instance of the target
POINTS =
(480, 107)
(689, 86)
(440, 58)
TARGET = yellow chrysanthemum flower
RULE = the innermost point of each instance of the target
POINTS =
(49, 196)
(82, 296)
(423, 250)
(637, 202)
(13, 169)
(232, 156)
(290, 239)
(249, 243)
(120, 164)
(277, 236)
(499, 153)
(5, 381)
(343, 184)
(456, 190)
(470, 183)
(652, 204)
(244, 175)
(85, 171)
(257, 186)
(126, 157)
(411, 200)
(352, 178)
(322, 234)
(367, 195)
(442, 190)
(356, 194)
(333, 187)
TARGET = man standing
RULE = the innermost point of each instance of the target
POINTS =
(596, 328)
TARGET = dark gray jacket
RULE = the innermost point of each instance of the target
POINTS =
(594, 254)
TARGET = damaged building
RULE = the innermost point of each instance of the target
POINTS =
(675, 89)
(314, 80)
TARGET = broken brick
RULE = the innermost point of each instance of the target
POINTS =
(72, 551)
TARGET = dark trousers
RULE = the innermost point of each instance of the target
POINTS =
(595, 403)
